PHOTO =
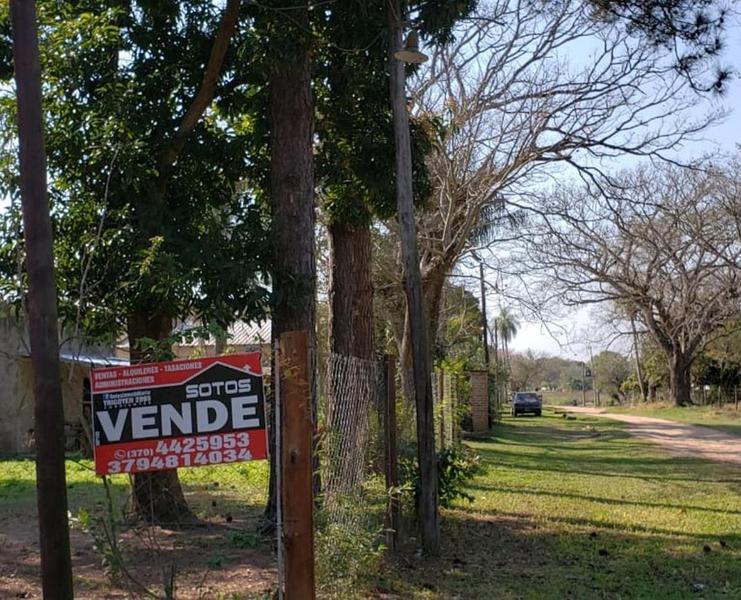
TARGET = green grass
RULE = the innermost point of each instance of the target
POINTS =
(579, 509)
(211, 491)
(558, 398)
(562, 509)
(724, 419)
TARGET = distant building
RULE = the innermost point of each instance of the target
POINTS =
(241, 337)
(76, 360)
(16, 386)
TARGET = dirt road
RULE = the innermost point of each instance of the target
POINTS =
(681, 439)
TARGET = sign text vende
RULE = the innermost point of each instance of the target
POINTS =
(185, 413)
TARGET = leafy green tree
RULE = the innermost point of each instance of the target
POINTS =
(357, 147)
(555, 370)
(355, 159)
(720, 362)
(146, 164)
(611, 369)
(459, 338)
(525, 371)
(655, 367)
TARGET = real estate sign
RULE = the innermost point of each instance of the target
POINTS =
(182, 413)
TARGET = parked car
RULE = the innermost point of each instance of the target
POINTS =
(526, 402)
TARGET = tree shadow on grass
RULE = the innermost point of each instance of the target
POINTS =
(732, 429)
(209, 500)
(598, 499)
(611, 453)
(514, 556)
(643, 469)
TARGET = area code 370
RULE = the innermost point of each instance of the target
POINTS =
(178, 453)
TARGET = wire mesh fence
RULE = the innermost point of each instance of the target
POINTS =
(351, 405)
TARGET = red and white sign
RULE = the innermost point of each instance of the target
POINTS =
(182, 413)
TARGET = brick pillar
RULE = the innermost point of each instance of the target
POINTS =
(480, 402)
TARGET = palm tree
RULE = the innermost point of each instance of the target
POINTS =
(507, 326)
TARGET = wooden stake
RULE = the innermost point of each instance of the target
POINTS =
(296, 464)
(390, 458)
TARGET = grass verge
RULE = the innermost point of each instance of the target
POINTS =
(210, 490)
(723, 419)
(579, 509)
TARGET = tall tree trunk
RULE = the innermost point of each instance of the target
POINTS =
(351, 291)
(350, 337)
(292, 194)
(508, 363)
(51, 489)
(679, 379)
(432, 291)
(157, 496)
(433, 286)
(406, 367)
(636, 353)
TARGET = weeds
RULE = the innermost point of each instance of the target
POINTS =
(456, 467)
(348, 541)
(245, 539)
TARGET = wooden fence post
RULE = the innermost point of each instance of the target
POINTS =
(390, 458)
(296, 492)
(441, 402)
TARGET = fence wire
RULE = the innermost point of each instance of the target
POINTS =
(352, 396)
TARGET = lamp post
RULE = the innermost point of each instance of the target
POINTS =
(398, 56)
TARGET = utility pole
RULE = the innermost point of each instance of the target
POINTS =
(595, 391)
(583, 384)
(484, 322)
(393, 508)
(493, 414)
(427, 500)
(498, 383)
(51, 488)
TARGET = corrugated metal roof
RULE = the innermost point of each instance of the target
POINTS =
(240, 333)
(94, 360)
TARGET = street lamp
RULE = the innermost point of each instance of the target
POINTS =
(410, 53)
(427, 460)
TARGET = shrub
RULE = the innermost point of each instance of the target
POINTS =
(348, 560)
(456, 466)
(349, 540)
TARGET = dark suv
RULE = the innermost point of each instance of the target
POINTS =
(526, 402)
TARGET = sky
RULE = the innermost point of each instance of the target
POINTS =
(571, 335)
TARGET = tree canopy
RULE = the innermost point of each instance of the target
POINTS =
(143, 221)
